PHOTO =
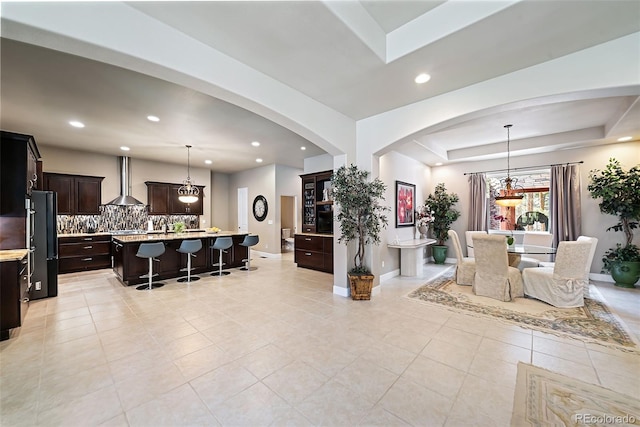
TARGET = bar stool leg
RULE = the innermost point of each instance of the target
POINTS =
(150, 284)
(189, 278)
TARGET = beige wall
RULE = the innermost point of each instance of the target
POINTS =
(398, 167)
(60, 160)
(593, 222)
(258, 181)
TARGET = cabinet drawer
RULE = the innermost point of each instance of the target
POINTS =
(82, 239)
(84, 249)
(311, 243)
(67, 265)
(309, 258)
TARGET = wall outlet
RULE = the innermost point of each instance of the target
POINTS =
(38, 286)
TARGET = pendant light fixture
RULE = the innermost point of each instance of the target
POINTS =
(188, 192)
(511, 194)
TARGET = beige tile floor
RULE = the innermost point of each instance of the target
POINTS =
(275, 347)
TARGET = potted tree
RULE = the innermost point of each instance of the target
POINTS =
(361, 218)
(620, 194)
(441, 204)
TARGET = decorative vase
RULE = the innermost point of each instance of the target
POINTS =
(422, 229)
(439, 253)
(625, 273)
(511, 242)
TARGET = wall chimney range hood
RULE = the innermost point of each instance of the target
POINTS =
(124, 199)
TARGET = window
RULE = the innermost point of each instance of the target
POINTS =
(530, 215)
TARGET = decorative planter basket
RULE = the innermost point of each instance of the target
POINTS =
(361, 286)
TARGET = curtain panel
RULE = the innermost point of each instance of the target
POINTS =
(477, 202)
(566, 215)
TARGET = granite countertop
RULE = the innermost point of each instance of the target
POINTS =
(13, 254)
(100, 233)
(151, 237)
(314, 234)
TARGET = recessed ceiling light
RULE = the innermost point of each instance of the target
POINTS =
(259, 160)
(422, 78)
(153, 118)
(303, 148)
(208, 162)
(625, 138)
(439, 164)
(124, 148)
(76, 124)
(255, 143)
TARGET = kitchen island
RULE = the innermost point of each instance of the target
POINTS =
(128, 267)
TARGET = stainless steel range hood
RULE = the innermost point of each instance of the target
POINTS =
(124, 199)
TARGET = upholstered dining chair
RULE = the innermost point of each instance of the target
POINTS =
(466, 267)
(494, 277)
(468, 236)
(535, 238)
(564, 284)
(594, 243)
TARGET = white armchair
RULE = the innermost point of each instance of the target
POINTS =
(468, 236)
(563, 285)
(535, 238)
(494, 277)
(594, 243)
(466, 267)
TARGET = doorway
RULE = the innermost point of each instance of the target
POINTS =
(288, 222)
(243, 210)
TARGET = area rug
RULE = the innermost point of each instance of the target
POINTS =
(592, 323)
(544, 398)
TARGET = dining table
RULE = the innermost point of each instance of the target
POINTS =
(515, 252)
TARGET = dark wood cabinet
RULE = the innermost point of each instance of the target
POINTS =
(314, 251)
(163, 200)
(81, 253)
(317, 208)
(18, 177)
(14, 295)
(77, 194)
(158, 198)
(180, 208)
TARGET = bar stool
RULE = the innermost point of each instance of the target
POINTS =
(189, 247)
(150, 251)
(249, 240)
(221, 244)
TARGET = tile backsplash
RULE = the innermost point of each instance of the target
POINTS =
(121, 218)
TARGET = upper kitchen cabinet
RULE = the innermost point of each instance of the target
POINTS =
(158, 198)
(18, 177)
(163, 200)
(317, 211)
(77, 194)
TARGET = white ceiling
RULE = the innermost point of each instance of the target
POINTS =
(317, 49)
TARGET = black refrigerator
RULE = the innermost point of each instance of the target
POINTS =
(44, 245)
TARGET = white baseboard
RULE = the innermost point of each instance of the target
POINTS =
(390, 275)
(601, 277)
(265, 254)
(339, 290)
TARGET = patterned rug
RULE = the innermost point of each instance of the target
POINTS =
(592, 323)
(544, 398)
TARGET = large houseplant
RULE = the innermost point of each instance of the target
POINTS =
(361, 218)
(620, 194)
(441, 204)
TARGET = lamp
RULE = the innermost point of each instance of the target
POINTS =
(188, 192)
(512, 193)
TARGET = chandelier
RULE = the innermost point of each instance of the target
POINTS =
(188, 192)
(511, 195)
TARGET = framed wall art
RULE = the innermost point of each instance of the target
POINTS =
(405, 197)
